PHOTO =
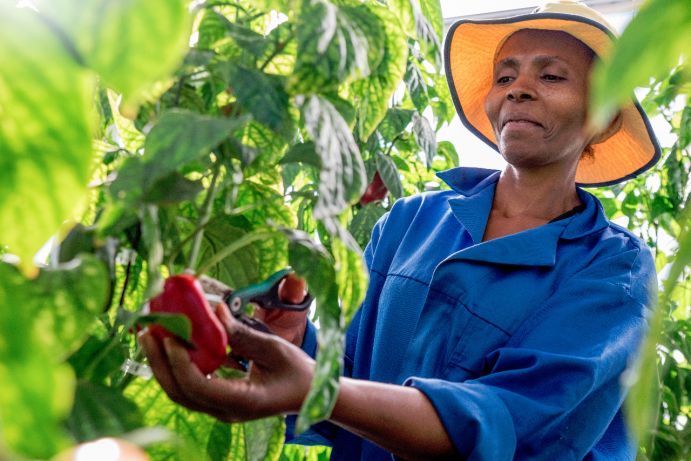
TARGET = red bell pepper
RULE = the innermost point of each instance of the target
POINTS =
(183, 294)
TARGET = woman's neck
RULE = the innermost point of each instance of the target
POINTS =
(534, 195)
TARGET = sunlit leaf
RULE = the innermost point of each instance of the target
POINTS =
(371, 95)
(311, 261)
(130, 44)
(422, 19)
(335, 42)
(639, 55)
(55, 311)
(45, 145)
(342, 175)
(193, 429)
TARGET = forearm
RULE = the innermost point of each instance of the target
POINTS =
(400, 419)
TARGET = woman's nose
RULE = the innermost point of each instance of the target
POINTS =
(520, 92)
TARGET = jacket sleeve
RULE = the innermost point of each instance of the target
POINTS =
(552, 391)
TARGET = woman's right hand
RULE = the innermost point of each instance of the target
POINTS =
(289, 325)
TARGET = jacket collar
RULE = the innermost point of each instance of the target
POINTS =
(536, 247)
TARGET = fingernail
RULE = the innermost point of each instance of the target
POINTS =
(168, 345)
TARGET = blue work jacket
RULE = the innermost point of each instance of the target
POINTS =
(519, 342)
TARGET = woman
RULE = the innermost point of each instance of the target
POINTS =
(500, 314)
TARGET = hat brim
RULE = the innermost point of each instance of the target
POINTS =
(469, 59)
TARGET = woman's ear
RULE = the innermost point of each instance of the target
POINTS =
(608, 132)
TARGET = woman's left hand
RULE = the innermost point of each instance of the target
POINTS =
(277, 382)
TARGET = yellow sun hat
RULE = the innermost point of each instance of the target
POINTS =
(470, 48)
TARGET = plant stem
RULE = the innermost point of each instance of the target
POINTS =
(233, 247)
(206, 215)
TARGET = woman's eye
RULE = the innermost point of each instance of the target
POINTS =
(504, 79)
(552, 78)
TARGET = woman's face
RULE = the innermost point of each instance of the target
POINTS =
(538, 100)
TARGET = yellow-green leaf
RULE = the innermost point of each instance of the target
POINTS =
(45, 132)
(130, 44)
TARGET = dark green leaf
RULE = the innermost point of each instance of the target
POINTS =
(363, 222)
(395, 121)
(246, 38)
(172, 189)
(239, 269)
(262, 95)
(389, 174)
(178, 139)
(101, 411)
(304, 153)
(177, 324)
(425, 137)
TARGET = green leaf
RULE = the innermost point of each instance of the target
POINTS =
(172, 189)
(363, 222)
(335, 43)
(389, 174)
(643, 398)
(242, 267)
(129, 136)
(264, 439)
(371, 95)
(177, 324)
(262, 95)
(422, 19)
(638, 55)
(178, 139)
(351, 276)
(395, 122)
(311, 261)
(246, 38)
(303, 153)
(321, 397)
(448, 151)
(130, 44)
(56, 310)
(426, 138)
(342, 174)
(101, 411)
(193, 429)
(45, 145)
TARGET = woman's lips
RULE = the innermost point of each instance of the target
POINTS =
(520, 125)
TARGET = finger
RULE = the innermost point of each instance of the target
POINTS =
(217, 396)
(160, 366)
(261, 348)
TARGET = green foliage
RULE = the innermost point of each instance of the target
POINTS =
(226, 138)
(655, 205)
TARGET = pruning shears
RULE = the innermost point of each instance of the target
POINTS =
(264, 294)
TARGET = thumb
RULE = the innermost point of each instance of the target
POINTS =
(251, 344)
